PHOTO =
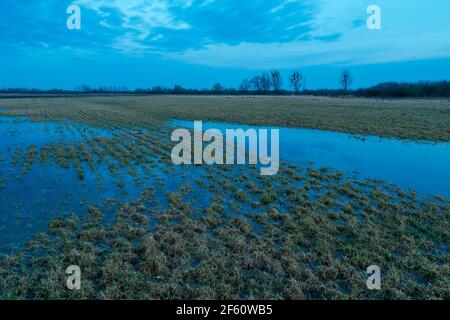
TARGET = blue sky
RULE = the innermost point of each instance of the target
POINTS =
(195, 43)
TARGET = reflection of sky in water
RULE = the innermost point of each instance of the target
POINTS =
(424, 167)
(18, 131)
(29, 201)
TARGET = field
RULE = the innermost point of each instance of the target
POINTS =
(405, 119)
(142, 228)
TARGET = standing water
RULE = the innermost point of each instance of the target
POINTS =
(423, 167)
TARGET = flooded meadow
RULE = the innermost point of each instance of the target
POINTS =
(90, 182)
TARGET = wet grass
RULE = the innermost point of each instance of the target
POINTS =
(227, 232)
(295, 249)
(405, 119)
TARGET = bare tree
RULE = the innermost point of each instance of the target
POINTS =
(245, 85)
(265, 82)
(218, 88)
(296, 80)
(276, 80)
(261, 83)
(177, 89)
(346, 79)
(256, 83)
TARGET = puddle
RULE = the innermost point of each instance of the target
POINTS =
(19, 131)
(423, 167)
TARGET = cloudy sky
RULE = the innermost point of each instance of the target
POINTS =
(195, 43)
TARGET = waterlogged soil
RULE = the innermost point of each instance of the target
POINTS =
(92, 184)
(53, 169)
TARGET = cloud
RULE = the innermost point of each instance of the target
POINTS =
(337, 35)
(135, 21)
(140, 15)
(188, 24)
(234, 33)
(347, 51)
(282, 5)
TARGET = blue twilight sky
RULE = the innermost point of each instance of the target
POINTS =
(195, 43)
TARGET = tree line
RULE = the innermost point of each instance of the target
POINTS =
(423, 89)
(272, 83)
